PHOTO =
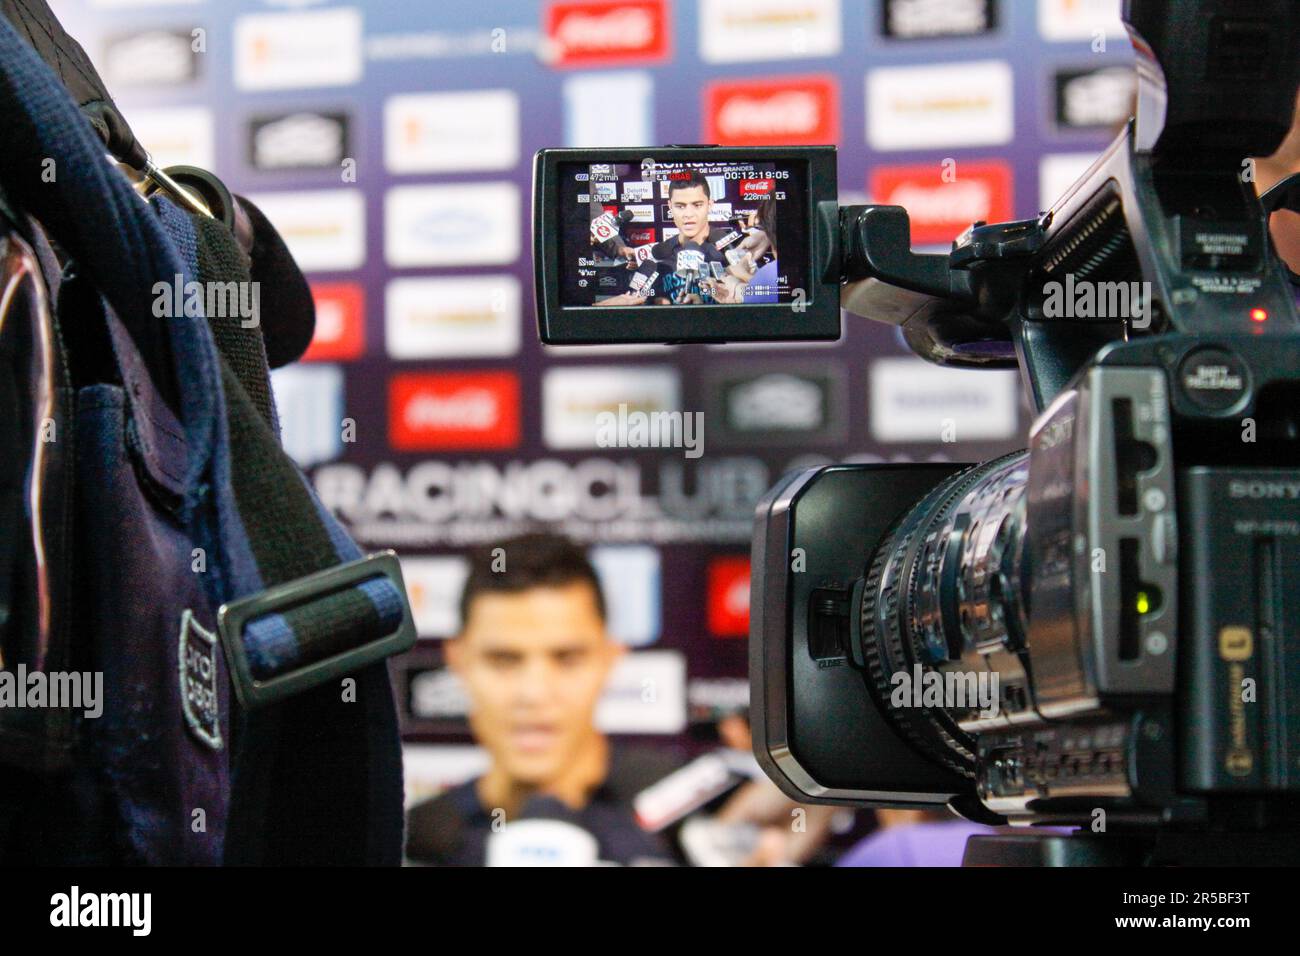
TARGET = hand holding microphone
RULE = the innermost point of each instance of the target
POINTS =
(607, 233)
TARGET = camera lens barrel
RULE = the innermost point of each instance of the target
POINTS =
(942, 606)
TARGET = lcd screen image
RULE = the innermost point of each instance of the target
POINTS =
(690, 233)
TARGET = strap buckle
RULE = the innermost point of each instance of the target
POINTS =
(234, 616)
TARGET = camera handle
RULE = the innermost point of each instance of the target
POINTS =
(953, 308)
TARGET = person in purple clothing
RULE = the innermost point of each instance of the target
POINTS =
(914, 838)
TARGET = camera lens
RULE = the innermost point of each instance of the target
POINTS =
(941, 593)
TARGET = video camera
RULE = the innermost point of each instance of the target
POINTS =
(1101, 631)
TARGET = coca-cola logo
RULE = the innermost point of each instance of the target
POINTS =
(582, 33)
(754, 113)
(472, 410)
(943, 200)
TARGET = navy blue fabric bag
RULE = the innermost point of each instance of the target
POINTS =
(247, 712)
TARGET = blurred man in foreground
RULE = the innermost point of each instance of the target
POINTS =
(534, 655)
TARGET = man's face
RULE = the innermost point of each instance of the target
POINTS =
(690, 212)
(534, 664)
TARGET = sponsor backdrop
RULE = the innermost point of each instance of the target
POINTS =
(391, 143)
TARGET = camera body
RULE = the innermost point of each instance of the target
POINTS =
(1102, 630)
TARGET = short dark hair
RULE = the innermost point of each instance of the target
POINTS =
(527, 561)
(696, 178)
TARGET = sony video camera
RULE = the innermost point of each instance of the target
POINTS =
(1101, 631)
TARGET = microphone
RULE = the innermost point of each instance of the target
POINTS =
(546, 834)
(739, 229)
(689, 267)
(607, 231)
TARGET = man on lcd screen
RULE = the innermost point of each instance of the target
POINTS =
(681, 270)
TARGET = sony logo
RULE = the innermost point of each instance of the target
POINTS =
(1264, 489)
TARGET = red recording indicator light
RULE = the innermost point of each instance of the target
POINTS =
(1259, 315)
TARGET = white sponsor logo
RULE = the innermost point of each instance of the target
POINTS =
(471, 224)
(438, 695)
(1100, 98)
(912, 400)
(629, 579)
(182, 136)
(433, 587)
(642, 213)
(633, 191)
(309, 401)
(1080, 19)
(429, 769)
(278, 51)
(622, 28)
(460, 317)
(718, 693)
(958, 104)
(442, 132)
(324, 229)
(573, 398)
(155, 58)
(646, 694)
(300, 139)
(777, 401)
(732, 31)
(786, 113)
(609, 109)
(909, 19)
(1057, 172)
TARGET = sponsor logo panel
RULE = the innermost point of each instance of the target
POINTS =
(325, 229)
(956, 104)
(279, 51)
(445, 132)
(430, 411)
(728, 591)
(304, 139)
(340, 334)
(452, 317)
(451, 225)
(573, 397)
(979, 190)
(433, 587)
(629, 577)
(176, 136)
(589, 120)
(913, 401)
(732, 31)
(309, 402)
(796, 111)
(607, 34)
(928, 19)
